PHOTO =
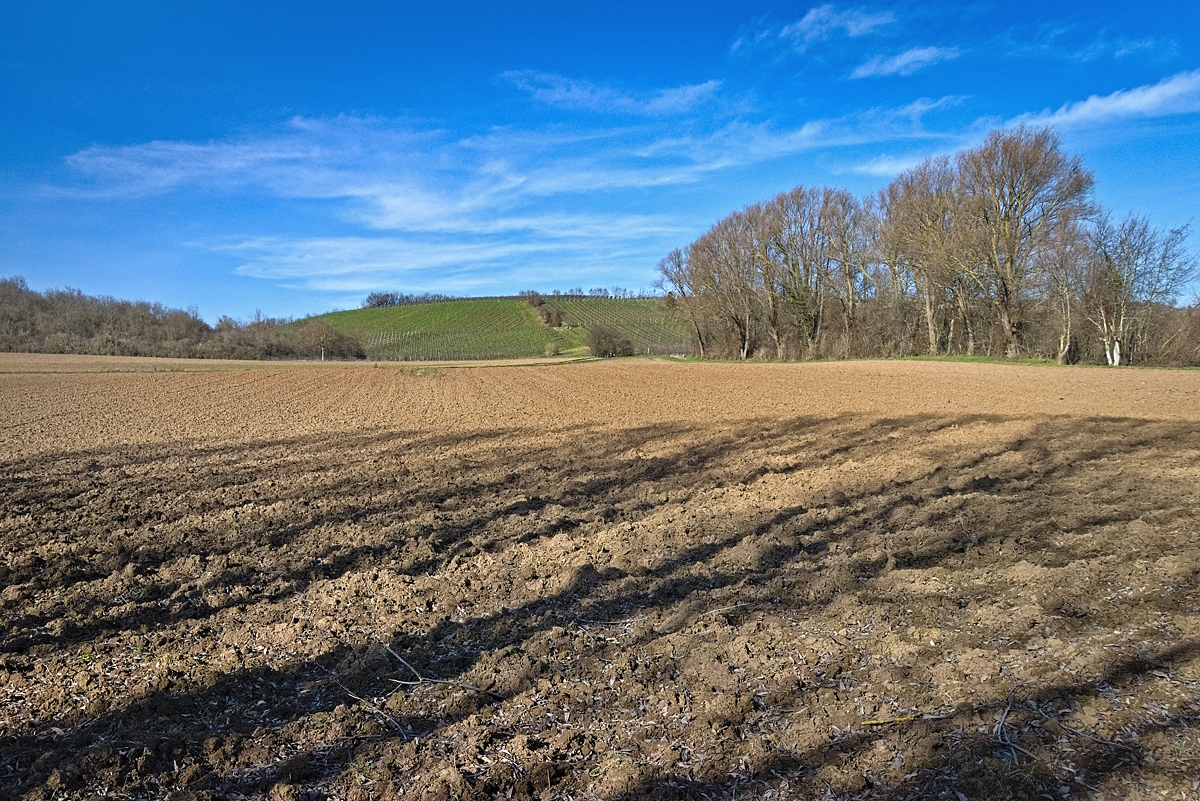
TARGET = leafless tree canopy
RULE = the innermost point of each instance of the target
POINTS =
(999, 250)
(68, 321)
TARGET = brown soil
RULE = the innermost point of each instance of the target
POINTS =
(607, 580)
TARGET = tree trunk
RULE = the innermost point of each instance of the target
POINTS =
(1064, 336)
(818, 319)
(932, 328)
(851, 309)
(966, 318)
(699, 337)
(1010, 334)
(743, 330)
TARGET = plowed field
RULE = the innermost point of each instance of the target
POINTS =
(612, 580)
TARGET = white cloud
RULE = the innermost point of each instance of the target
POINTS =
(1177, 94)
(1122, 48)
(905, 63)
(419, 208)
(160, 166)
(556, 90)
(823, 22)
(887, 166)
(307, 158)
(330, 257)
(754, 35)
(392, 177)
(356, 263)
(739, 143)
(819, 24)
(1070, 43)
(389, 176)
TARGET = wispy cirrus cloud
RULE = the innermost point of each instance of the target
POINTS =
(824, 22)
(1177, 94)
(419, 207)
(354, 263)
(887, 166)
(1173, 95)
(819, 24)
(406, 177)
(307, 158)
(905, 63)
(573, 93)
(157, 167)
(1073, 43)
(739, 143)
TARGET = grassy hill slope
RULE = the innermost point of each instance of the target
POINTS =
(507, 328)
(646, 321)
(456, 329)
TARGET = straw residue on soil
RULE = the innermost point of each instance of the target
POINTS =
(619, 580)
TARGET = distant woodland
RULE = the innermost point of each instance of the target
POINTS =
(68, 321)
(997, 251)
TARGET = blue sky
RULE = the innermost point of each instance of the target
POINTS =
(292, 157)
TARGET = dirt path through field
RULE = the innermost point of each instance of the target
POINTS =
(633, 579)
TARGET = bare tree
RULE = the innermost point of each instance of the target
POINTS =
(804, 251)
(849, 257)
(676, 276)
(1019, 185)
(891, 264)
(1133, 269)
(986, 249)
(884, 240)
(924, 221)
(764, 242)
(1062, 266)
(725, 268)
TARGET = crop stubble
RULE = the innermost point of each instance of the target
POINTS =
(874, 579)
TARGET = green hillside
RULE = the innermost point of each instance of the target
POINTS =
(507, 328)
(454, 330)
(646, 321)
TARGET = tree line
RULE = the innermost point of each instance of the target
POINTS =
(999, 250)
(68, 321)
(384, 299)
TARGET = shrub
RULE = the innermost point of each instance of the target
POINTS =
(385, 300)
(310, 337)
(532, 298)
(381, 300)
(606, 342)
